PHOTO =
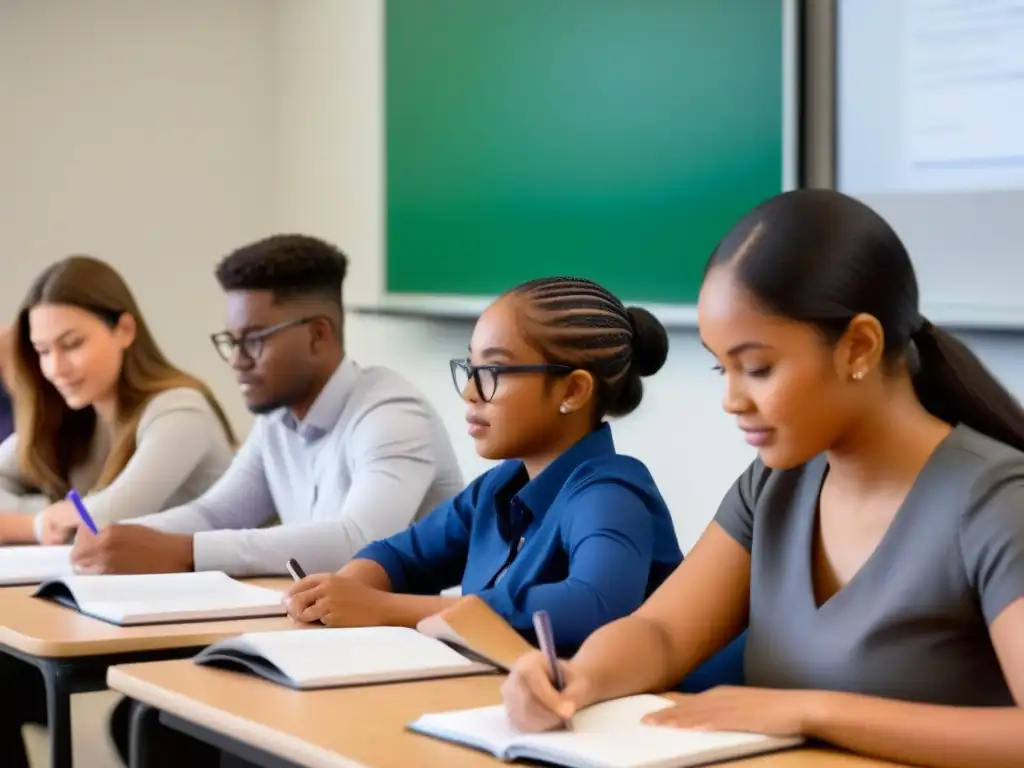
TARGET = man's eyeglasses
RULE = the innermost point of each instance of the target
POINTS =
(485, 377)
(250, 344)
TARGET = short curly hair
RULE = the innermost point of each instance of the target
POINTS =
(289, 266)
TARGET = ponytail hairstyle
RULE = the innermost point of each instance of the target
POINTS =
(578, 323)
(820, 257)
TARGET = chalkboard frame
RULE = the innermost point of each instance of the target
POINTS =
(678, 316)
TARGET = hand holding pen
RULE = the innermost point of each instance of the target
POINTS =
(546, 641)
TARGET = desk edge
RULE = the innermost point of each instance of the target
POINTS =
(215, 719)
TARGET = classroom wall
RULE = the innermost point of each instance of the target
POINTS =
(161, 135)
(142, 133)
(331, 52)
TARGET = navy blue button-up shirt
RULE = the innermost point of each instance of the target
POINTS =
(588, 540)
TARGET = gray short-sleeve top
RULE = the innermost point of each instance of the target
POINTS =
(912, 623)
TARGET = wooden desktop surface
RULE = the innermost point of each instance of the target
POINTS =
(45, 629)
(354, 727)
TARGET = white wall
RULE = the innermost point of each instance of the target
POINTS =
(141, 133)
(332, 177)
(161, 135)
(332, 140)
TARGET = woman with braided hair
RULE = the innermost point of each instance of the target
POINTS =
(564, 523)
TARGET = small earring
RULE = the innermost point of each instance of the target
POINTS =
(563, 408)
(858, 375)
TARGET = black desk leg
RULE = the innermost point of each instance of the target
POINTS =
(145, 729)
(154, 745)
(57, 680)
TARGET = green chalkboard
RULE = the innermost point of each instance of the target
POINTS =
(611, 139)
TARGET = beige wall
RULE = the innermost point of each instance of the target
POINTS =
(142, 133)
(160, 135)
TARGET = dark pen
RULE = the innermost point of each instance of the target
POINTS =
(295, 569)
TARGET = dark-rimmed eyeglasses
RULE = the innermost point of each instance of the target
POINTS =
(250, 344)
(486, 377)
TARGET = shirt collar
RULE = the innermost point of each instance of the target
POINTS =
(329, 404)
(539, 493)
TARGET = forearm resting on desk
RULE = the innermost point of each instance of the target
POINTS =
(399, 610)
(921, 734)
(599, 660)
(368, 572)
(17, 528)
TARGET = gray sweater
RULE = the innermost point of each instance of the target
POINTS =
(181, 451)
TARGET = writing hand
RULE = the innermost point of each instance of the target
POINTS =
(127, 548)
(530, 698)
(337, 601)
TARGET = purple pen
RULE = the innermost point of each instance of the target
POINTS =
(83, 513)
(546, 641)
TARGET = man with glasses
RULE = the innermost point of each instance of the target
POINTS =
(343, 455)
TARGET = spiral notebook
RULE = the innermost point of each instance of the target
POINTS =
(607, 735)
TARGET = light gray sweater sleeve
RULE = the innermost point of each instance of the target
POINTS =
(177, 430)
(240, 499)
(392, 456)
(15, 493)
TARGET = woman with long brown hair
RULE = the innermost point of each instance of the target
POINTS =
(99, 409)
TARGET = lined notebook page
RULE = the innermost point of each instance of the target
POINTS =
(32, 565)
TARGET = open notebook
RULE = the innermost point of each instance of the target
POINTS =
(607, 735)
(335, 658)
(465, 639)
(163, 598)
(32, 565)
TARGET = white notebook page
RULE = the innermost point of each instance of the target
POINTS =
(31, 564)
(159, 593)
(321, 654)
(640, 745)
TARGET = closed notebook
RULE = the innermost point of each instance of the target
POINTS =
(607, 735)
(163, 598)
(32, 565)
(334, 658)
(471, 624)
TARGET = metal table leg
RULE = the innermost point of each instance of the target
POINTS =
(58, 681)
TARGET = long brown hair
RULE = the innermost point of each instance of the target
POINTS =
(53, 438)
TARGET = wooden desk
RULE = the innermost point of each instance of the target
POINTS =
(72, 651)
(276, 727)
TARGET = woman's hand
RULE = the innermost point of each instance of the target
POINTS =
(531, 701)
(59, 523)
(754, 710)
(336, 601)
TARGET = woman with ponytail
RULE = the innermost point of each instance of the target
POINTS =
(876, 545)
